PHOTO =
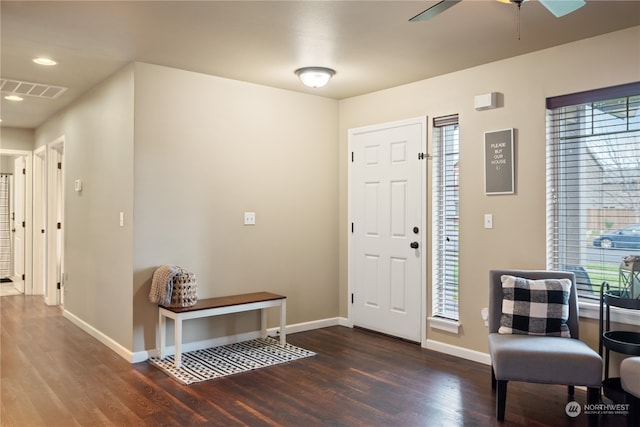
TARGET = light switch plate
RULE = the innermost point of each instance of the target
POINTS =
(488, 221)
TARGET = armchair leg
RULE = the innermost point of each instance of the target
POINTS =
(493, 379)
(501, 399)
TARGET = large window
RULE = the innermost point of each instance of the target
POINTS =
(593, 184)
(446, 217)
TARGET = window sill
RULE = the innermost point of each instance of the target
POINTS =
(447, 325)
(591, 310)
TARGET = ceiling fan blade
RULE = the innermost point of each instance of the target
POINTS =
(562, 7)
(434, 10)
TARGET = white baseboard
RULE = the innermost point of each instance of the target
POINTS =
(461, 352)
(141, 356)
(309, 326)
(104, 339)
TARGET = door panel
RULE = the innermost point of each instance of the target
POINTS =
(386, 203)
(19, 215)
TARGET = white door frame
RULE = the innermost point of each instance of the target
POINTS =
(424, 235)
(28, 216)
(55, 214)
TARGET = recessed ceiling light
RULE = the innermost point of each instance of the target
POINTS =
(44, 61)
(13, 98)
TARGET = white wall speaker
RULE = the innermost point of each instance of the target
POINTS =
(486, 101)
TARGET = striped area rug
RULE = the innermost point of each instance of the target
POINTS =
(218, 362)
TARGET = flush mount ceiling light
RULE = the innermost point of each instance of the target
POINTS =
(315, 76)
(44, 61)
(14, 98)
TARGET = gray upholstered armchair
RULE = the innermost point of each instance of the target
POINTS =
(538, 358)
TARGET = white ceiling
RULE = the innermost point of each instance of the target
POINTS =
(370, 44)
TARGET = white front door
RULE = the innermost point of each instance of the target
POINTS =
(387, 214)
(19, 222)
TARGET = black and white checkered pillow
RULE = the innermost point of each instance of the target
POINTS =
(535, 307)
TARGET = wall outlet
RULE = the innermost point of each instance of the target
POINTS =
(249, 218)
(485, 315)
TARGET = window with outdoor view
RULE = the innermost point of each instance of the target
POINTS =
(446, 190)
(593, 185)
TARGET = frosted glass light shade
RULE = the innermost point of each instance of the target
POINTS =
(315, 76)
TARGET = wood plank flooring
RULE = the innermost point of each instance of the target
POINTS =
(54, 374)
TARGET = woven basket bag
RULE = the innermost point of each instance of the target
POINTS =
(185, 290)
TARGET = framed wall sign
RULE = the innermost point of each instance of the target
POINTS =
(498, 162)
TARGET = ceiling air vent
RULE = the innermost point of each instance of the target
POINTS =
(39, 90)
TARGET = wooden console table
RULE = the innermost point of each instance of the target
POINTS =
(218, 306)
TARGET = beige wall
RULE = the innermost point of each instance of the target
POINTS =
(16, 138)
(98, 149)
(183, 155)
(517, 239)
(206, 150)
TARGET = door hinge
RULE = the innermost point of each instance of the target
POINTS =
(352, 157)
(24, 277)
(24, 224)
(352, 298)
(24, 171)
(59, 285)
(59, 165)
(352, 227)
(422, 156)
(59, 226)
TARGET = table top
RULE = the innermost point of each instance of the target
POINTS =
(227, 301)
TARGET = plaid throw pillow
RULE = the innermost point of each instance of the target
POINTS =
(535, 307)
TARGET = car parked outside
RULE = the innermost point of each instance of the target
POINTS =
(626, 237)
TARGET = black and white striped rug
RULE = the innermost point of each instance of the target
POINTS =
(217, 362)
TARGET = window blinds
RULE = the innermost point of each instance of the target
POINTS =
(593, 184)
(445, 189)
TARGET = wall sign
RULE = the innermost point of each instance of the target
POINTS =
(498, 162)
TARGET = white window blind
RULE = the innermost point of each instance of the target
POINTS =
(446, 190)
(593, 184)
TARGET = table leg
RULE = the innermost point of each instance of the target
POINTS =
(163, 330)
(283, 322)
(263, 322)
(177, 333)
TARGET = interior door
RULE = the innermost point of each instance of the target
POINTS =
(40, 222)
(19, 222)
(59, 206)
(387, 251)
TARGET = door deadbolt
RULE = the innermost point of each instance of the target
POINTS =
(416, 230)
(414, 245)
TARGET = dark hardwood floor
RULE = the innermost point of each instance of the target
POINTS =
(54, 374)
